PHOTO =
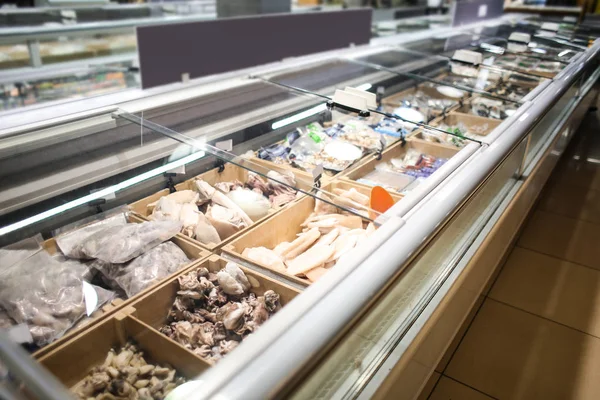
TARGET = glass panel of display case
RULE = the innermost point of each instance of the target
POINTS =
(346, 371)
(67, 84)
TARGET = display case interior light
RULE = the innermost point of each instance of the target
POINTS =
(103, 193)
(299, 117)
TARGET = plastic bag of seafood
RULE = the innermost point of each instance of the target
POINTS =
(71, 241)
(50, 303)
(21, 250)
(121, 243)
(144, 270)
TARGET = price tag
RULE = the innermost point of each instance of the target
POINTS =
(225, 145)
(317, 172)
(90, 297)
(20, 333)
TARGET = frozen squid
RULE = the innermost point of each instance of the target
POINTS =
(253, 204)
(207, 192)
(226, 221)
(204, 232)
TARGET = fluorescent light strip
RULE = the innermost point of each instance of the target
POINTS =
(298, 117)
(101, 193)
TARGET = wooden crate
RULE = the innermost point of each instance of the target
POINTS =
(73, 360)
(469, 121)
(194, 252)
(433, 149)
(284, 227)
(396, 99)
(153, 308)
(230, 173)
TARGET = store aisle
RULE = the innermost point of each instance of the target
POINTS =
(536, 335)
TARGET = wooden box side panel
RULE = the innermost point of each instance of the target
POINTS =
(162, 350)
(153, 309)
(470, 121)
(281, 228)
(72, 361)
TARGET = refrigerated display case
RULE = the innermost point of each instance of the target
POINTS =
(238, 214)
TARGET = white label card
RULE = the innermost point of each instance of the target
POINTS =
(20, 333)
(482, 11)
(317, 172)
(90, 297)
(225, 145)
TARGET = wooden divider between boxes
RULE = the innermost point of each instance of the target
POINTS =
(399, 151)
(74, 360)
(139, 322)
(193, 251)
(396, 100)
(153, 309)
(474, 124)
(284, 228)
(229, 173)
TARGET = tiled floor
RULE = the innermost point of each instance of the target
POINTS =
(537, 333)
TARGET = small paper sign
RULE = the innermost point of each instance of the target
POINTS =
(90, 297)
(20, 333)
(225, 145)
(317, 172)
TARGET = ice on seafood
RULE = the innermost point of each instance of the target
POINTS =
(212, 313)
(125, 374)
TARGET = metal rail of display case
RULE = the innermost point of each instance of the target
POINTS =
(326, 303)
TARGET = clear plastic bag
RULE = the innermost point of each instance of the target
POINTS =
(19, 251)
(133, 277)
(84, 267)
(71, 242)
(50, 303)
(120, 244)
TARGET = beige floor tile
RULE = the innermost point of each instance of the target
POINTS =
(559, 290)
(578, 173)
(510, 354)
(562, 237)
(571, 201)
(433, 380)
(448, 389)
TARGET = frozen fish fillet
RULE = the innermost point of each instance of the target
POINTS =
(310, 259)
(264, 256)
(315, 274)
(302, 243)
